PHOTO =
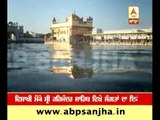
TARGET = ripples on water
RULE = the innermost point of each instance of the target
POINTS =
(79, 61)
(97, 58)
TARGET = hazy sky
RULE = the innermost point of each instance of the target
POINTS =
(36, 15)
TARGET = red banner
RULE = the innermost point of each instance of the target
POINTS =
(40, 98)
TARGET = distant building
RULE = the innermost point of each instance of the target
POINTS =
(16, 34)
(15, 31)
(39, 35)
(97, 30)
(72, 29)
(123, 34)
(35, 35)
(129, 34)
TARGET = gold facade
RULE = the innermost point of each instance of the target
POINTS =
(72, 29)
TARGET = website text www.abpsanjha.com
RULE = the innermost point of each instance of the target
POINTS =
(76, 112)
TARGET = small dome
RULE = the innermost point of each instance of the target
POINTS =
(10, 23)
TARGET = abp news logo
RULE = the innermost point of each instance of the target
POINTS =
(133, 15)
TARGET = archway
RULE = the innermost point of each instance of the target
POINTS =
(11, 36)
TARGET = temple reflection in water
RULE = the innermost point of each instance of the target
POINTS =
(72, 60)
(79, 60)
(79, 67)
(84, 60)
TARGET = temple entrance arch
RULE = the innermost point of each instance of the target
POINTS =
(11, 36)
